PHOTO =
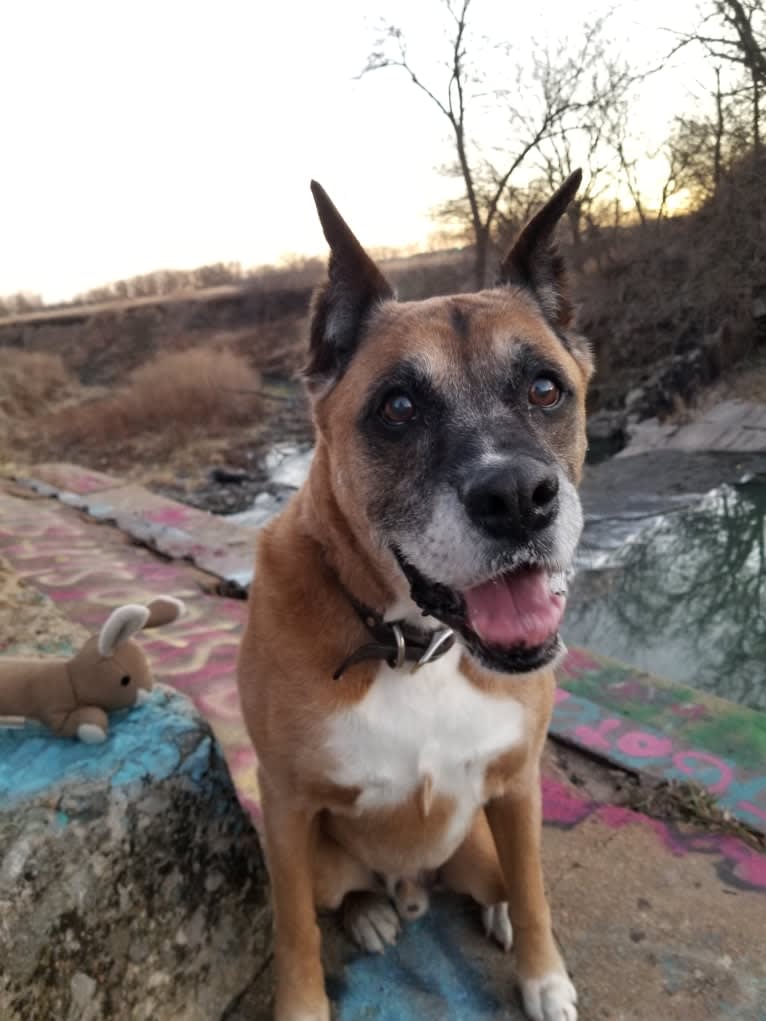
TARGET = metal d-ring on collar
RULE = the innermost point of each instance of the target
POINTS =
(401, 647)
(396, 642)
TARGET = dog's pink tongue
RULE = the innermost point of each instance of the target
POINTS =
(515, 609)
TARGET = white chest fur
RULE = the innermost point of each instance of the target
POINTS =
(431, 723)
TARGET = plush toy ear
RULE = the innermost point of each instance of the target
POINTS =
(164, 610)
(121, 624)
(534, 262)
(340, 306)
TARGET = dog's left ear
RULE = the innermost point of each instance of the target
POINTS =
(534, 261)
(341, 305)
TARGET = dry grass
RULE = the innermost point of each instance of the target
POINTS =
(31, 381)
(173, 396)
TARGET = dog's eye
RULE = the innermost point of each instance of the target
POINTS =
(398, 409)
(125, 681)
(544, 393)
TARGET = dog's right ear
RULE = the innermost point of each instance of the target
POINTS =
(341, 305)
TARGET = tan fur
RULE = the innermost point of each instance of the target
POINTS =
(301, 625)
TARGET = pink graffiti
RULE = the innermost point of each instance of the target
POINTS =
(630, 689)
(750, 807)
(578, 661)
(681, 762)
(177, 515)
(736, 861)
(595, 737)
(693, 711)
(641, 745)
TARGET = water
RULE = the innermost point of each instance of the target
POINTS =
(681, 594)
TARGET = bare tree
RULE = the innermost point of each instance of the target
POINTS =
(539, 105)
(733, 33)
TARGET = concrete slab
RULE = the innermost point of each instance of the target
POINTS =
(651, 926)
(172, 528)
(74, 478)
(109, 858)
(732, 426)
(668, 731)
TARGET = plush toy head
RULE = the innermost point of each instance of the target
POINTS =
(111, 670)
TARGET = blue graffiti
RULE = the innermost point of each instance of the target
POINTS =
(154, 741)
(438, 970)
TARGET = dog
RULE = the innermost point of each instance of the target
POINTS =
(396, 671)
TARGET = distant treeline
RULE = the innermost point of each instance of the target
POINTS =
(297, 271)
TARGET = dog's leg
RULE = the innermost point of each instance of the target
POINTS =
(300, 994)
(474, 869)
(341, 880)
(516, 823)
(336, 872)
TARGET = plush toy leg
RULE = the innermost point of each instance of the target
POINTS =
(88, 723)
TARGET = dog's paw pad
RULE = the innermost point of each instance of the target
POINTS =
(550, 998)
(371, 921)
(497, 924)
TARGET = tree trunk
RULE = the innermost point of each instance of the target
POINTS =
(756, 120)
(481, 254)
(718, 132)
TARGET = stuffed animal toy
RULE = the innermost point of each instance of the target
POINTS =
(110, 671)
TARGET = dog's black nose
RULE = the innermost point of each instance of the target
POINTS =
(514, 499)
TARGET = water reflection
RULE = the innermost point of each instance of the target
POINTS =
(685, 597)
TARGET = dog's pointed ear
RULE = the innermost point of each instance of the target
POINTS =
(534, 261)
(341, 305)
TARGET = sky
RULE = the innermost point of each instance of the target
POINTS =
(144, 134)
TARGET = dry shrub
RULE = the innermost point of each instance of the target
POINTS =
(173, 395)
(655, 290)
(30, 382)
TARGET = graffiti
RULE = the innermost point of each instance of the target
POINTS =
(735, 863)
(88, 570)
(640, 747)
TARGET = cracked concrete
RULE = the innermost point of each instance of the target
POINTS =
(131, 881)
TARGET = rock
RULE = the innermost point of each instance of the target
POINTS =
(288, 464)
(634, 398)
(607, 425)
(227, 476)
(607, 434)
(105, 857)
(264, 507)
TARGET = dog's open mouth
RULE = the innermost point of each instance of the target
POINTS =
(510, 622)
(518, 608)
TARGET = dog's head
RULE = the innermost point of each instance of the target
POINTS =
(454, 432)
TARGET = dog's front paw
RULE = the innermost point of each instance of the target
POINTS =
(497, 924)
(550, 998)
(371, 921)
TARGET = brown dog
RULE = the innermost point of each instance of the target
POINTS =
(396, 675)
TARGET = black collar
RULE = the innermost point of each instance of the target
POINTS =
(396, 642)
